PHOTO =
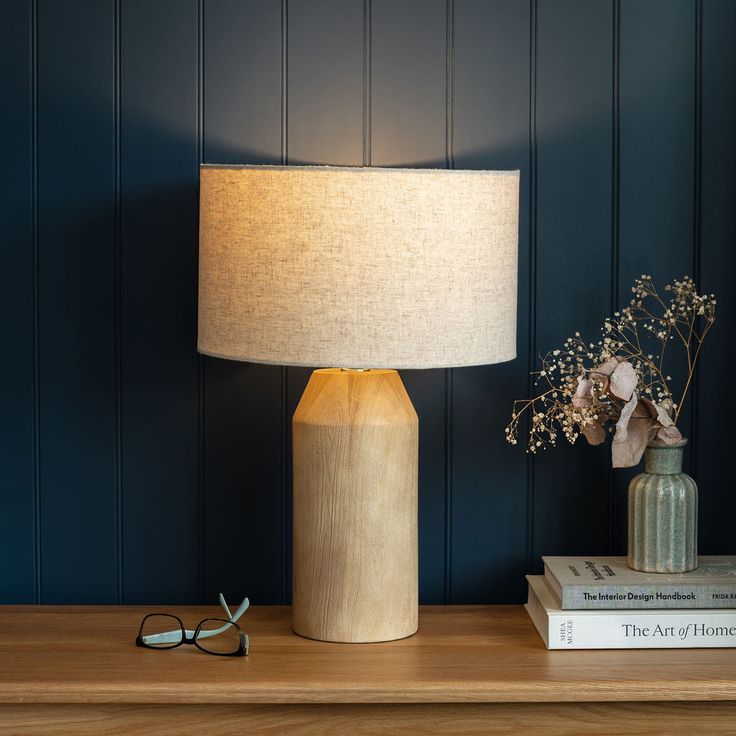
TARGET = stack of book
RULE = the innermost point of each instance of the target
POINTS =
(600, 603)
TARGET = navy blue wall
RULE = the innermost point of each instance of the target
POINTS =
(133, 470)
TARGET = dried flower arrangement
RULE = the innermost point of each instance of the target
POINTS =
(617, 384)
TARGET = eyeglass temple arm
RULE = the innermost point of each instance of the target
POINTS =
(242, 608)
(169, 637)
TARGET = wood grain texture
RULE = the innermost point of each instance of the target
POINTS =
(355, 446)
(461, 654)
(550, 719)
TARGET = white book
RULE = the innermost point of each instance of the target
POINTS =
(626, 629)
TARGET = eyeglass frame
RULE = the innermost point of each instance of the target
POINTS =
(180, 636)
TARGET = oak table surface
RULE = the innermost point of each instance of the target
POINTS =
(461, 654)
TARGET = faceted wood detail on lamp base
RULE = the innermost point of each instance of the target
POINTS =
(355, 445)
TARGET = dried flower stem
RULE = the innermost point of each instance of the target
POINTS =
(587, 386)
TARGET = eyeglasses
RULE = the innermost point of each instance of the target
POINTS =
(212, 635)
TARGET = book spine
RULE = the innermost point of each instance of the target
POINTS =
(590, 597)
(578, 630)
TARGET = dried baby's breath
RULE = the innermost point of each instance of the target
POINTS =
(619, 383)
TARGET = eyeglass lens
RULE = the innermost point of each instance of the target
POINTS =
(218, 636)
(153, 628)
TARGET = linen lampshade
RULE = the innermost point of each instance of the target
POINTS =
(358, 267)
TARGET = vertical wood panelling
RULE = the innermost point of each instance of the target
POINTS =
(716, 432)
(656, 166)
(657, 72)
(325, 82)
(243, 503)
(134, 470)
(76, 200)
(408, 128)
(325, 117)
(491, 131)
(408, 98)
(17, 310)
(573, 123)
(158, 259)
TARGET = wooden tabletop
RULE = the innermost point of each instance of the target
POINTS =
(470, 654)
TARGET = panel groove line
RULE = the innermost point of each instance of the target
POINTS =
(284, 82)
(367, 89)
(36, 312)
(284, 370)
(532, 306)
(448, 485)
(697, 209)
(450, 164)
(118, 303)
(615, 216)
(201, 382)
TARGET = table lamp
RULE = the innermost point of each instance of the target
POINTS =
(357, 272)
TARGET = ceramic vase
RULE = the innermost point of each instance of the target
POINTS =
(663, 514)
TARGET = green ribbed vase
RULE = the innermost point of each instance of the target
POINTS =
(663, 514)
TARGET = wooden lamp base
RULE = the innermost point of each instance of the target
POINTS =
(355, 445)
